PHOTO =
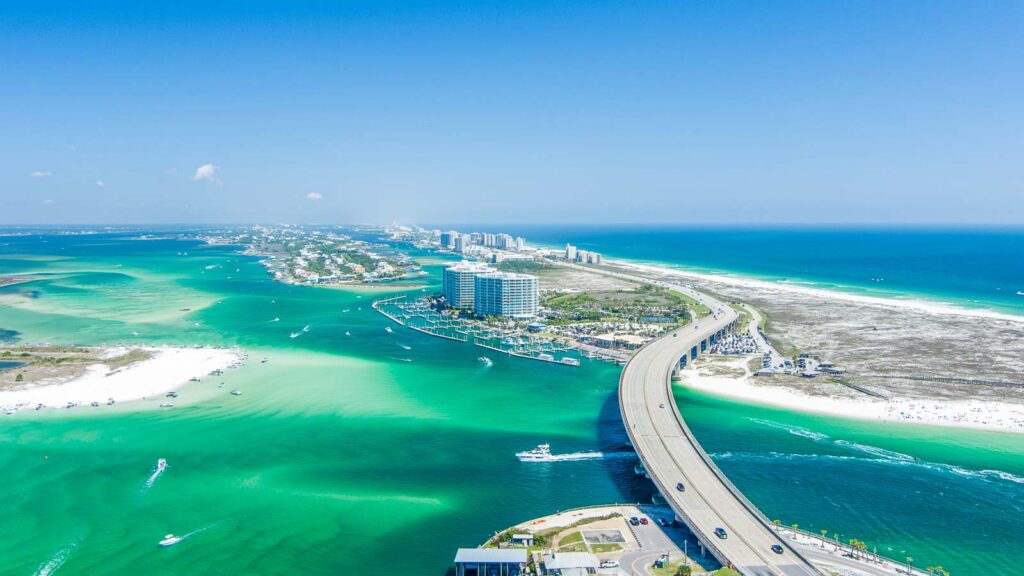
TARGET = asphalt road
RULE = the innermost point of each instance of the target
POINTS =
(671, 455)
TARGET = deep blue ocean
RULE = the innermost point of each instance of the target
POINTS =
(972, 267)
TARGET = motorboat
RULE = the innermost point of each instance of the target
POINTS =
(170, 540)
(540, 453)
(485, 361)
(570, 361)
(388, 329)
(347, 333)
(236, 392)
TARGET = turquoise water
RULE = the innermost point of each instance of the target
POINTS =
(978, 268)
(383, 452)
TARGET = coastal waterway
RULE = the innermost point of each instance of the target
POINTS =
(357, 449)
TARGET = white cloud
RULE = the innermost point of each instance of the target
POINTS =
(100, 184)
(41, 174)
(47, 201)
(315, 196)
(206, 172)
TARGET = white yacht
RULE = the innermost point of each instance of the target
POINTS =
(170, 540)
(485, 361)
(570, 361)
(540, 453)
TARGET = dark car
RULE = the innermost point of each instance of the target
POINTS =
(634, 521)
(643, 521)
(720, 532)
(776, 548)
(680, 487)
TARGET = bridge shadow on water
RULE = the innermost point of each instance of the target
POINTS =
(638, 489)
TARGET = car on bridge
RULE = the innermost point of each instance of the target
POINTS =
(680, 487)
(776, 548)
(720, 532)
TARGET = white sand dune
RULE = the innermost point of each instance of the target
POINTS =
(167, 369)
(744, 282)
(985, 415)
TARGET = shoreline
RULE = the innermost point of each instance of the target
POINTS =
(972, 414)
(741, 281)
(169, 368)
(987, 415)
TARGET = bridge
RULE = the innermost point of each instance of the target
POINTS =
(671, 455)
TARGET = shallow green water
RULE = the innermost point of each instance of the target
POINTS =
(382, 452)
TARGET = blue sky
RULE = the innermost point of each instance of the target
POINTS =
(681, 111)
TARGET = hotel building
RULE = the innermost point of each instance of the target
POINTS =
(457, 283)
(506, 294)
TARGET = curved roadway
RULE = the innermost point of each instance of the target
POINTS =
(671, 454)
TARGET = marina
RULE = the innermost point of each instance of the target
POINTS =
(418, 315)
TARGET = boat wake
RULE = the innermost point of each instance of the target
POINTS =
(171, 539)
(300, 332)
(400, 359)
(161, 465)
(543, 453)
(794, 430)
(58, 560)
(872, 455)
(404, 347)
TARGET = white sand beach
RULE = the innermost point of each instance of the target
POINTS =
(986, 415)
(792, 287)
(872, 335)
(166, 369)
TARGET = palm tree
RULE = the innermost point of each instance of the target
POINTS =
(931, 569)
(823, 533)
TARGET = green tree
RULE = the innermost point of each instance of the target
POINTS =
(19, 377)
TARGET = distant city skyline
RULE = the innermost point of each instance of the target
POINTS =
(532, 112)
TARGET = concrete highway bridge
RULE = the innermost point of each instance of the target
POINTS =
(671, 455)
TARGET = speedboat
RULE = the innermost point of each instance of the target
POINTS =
(388, 329)
(540, 453)
(161, 464)
(347, 333)
(170, 540)
(236, 392)
(485, 361)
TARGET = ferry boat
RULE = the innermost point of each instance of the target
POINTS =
(170, 540)
(540, 453)
(485, 361)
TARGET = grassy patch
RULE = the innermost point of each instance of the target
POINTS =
(599, 548)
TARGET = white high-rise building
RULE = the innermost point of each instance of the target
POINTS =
(506, 294)
(570, 252)
(457, 283)
(489, 239)
(504, 241)
(520, 243)
(448, 239)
